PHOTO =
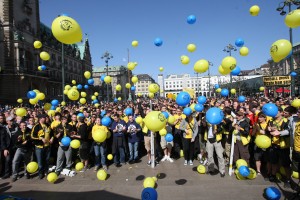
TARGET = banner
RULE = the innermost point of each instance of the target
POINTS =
(277, 80)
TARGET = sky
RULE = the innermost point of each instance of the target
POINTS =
(111, 25)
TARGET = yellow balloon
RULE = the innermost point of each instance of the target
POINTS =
(87, 74)
(240, 177)
(119, 99)
(37, 44)
(134, 43)
(163, 132)
(131, 65)
(40, 96)
(139, 94)
(193, 107)
(21, 112)
(201, 66)
(58, 109)
(261, 89)
(185, 60)
(191, 47)
(154, 178)
(93, 97)
(263, 141)
(79, 166)
(20, 100)
(66, 92)
(82, 100)
(101, 175)
(47, 106)
(97, 105)
(155, 121)
(74, 87)
(218, 90)
(66, 30)
(73, 82)
(295, 175)
(33, 101)
(118, 87)
(244, 51)
(107, 79)
(280, 49)
(292, 19)
(139, 120)
(73, 95)
(32, 167)
(252, 174)
(233, 91)
(229, 63)
(36, 91)
(241, 162)
(82, 94)
(181, 153)
(75, 144)
(151, 95)
(282, 171)
(254, 10)
(149, 182)
(201, 169)
(127, 85)
(99, 136)
(296, 103)
(153, 88)
(108, 135)
(67, 87)
(171, 119)
(110, 157)
(63, 103)
(278, 176)
(40, 68)
(51, 113)
(161, 69)
(96, 94)
(223, 71)
(44, 56)
(134, 79)
(52, 177)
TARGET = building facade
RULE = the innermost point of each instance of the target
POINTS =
(20, 26)
(120, 75)
(142, 85)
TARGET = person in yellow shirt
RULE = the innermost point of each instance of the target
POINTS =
(100, 149)
(177, 132)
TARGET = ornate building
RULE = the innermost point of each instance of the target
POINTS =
(20, 26)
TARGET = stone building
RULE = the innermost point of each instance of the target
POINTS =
(142, 85)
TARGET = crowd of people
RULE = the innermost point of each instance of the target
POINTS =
(38, 137)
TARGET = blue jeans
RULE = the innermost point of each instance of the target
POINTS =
(43, 156)
(120, 155)
(133, 150)
(100, 151)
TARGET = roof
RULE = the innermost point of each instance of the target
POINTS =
(110, 68)
(144, 77)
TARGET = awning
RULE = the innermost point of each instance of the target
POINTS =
(279, 90)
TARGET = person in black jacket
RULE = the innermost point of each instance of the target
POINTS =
(23, 148)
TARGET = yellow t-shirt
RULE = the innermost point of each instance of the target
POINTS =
(297, 137)
(189, 133)
(176, 117)
(54, 124)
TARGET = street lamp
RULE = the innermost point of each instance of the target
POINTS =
(210, 64)
(280, 9)
(228, 49)
(107, 56)
(63, 70)
(197, 88)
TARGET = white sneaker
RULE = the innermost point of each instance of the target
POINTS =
(170, 159)
(164, 158)
(185, 162)
(191, 162)
(205, 162)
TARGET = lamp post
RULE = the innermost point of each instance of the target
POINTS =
(228, 50)
(197, 90)
(280, 9)
(107, 56)
(63, 71)
(210, 64)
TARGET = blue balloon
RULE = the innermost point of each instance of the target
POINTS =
(64, 14)
(214, 116)
(239, 42)
(79, 86)
(270, 109)
(183, 99)
(103, 112)
(91, 81)
(236, 71)
(43, 67)
(166, 114)
(217, 86)
(53, 108)
(201, 99)
(187, 111)
(224, 92)
(102, 77)
(273, 193)
(95, 101)
(169, 137)
(293, 74)
(244, 171)
(242, 99)
(128, 111)
(132, 88)
(115, 100)
(158, 42)
(149, 194)
(80, 115)
(66, 141)
(199, 107)
(106, 121)
(191, 19)
(31, 94)
(86, 87)
(54, 102)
